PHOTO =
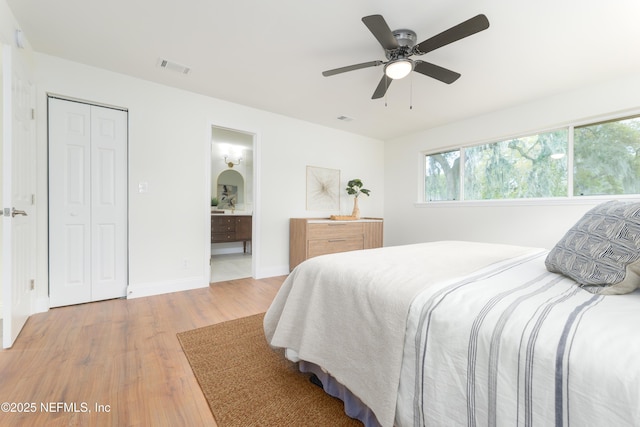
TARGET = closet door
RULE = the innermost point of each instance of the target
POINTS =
(87, 203)
(108, 203)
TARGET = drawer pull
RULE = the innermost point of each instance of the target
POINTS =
(337, 240)
(336, 224)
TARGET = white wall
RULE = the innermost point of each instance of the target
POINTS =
(523, 224)
(8, 23)
(169, 148)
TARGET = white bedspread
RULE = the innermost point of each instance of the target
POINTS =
(519, 346)
(356, 332)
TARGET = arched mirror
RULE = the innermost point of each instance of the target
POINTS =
(230, 190)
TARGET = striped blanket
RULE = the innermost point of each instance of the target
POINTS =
(347, 312)
(515, 345)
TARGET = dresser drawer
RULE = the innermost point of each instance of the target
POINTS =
(310, 237)
(224, 228)
(220, 224)
(334, 230)
(223, 237)
(331, 246)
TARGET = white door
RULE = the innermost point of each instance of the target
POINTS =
(18, 184)
(108, 203)
(87, 202)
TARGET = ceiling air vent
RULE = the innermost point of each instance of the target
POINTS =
(163, 63)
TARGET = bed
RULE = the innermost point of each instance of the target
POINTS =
(467, 333)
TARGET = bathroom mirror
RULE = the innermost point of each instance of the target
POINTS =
(231, 171)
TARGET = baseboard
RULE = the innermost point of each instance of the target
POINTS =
(41, 305)
(262, 273)
(140, 290)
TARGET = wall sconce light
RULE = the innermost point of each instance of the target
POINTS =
(230, 163)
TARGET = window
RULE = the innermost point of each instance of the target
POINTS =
(532, 166)
(442, 176)
(605, 157)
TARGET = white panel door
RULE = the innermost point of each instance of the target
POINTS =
(18, 180)
(108, 203)
(69, 202)
(87, 203)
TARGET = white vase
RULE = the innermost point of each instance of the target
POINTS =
(356, 210)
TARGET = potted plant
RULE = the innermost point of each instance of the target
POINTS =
(214, 201)
(354, 188)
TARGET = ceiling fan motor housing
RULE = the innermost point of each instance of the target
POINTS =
(406, 40)
(405, 37)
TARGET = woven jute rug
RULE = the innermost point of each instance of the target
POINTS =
(246, 383)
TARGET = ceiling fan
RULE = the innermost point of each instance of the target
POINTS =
(400, 45)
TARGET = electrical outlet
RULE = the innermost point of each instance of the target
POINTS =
(185, 264)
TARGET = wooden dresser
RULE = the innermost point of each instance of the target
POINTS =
(309, 237)
(231, 228)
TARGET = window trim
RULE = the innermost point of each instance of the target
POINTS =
(533, 201)
(570, 199)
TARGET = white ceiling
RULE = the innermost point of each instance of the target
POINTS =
(270, 54)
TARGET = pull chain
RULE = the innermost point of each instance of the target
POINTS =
(386, 83)
(411, 93)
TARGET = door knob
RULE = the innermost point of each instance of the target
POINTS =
(15, 212)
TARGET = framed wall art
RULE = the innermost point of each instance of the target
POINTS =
(323, 189)
(227, 196)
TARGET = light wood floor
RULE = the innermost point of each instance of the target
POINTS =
(121, 354)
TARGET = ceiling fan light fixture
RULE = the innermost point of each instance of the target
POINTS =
(398, 68)
(400, 45)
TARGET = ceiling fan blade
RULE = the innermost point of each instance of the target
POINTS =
(381, 90)
(351, 68)
(381, 31)
(436, 72)
(467, 28)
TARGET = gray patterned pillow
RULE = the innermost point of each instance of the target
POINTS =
(602, 250)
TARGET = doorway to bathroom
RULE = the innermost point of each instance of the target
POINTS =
(232, 204)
